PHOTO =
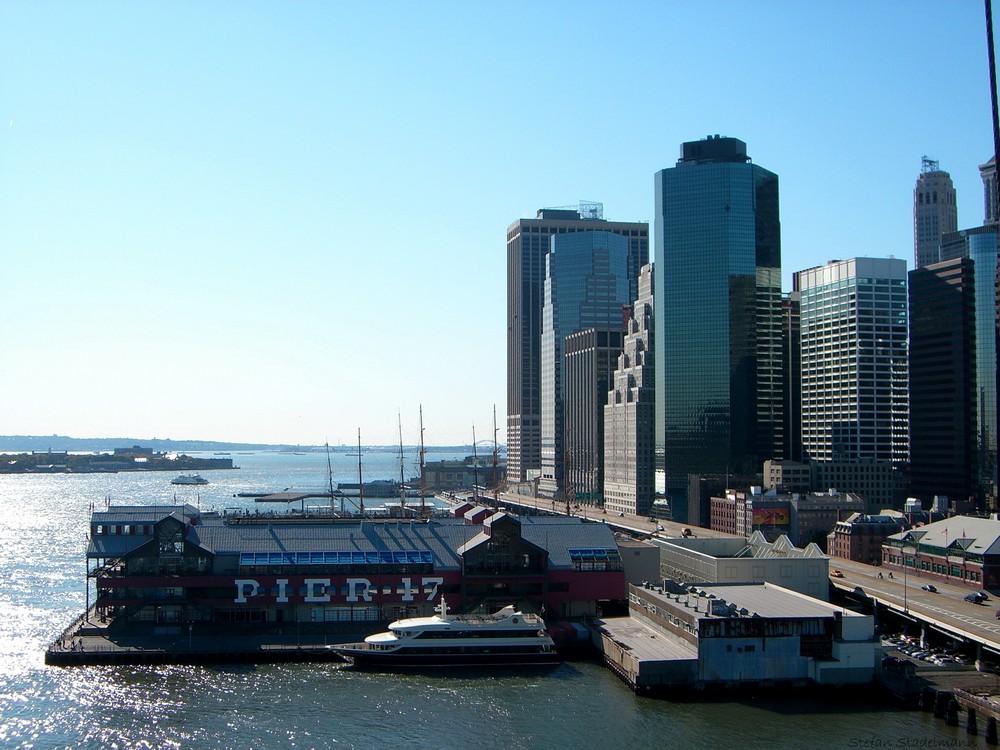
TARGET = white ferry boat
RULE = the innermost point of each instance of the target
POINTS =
(189, 479)
(506, 638)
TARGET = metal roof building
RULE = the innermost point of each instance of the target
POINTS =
(168, 565)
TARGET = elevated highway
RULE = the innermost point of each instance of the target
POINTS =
(945, 611)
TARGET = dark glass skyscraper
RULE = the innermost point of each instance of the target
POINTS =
(980, 246)
(944, 454)
(718, 315)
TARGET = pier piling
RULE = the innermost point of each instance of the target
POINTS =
(952, 717)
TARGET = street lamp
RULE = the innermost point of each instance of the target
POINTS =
(903, 549)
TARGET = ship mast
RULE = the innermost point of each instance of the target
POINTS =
(329, 475)
(402, 486)
(361, 487)
(496, 481)
(423, 508)
(475, 468)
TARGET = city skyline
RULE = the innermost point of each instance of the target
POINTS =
(214, 218)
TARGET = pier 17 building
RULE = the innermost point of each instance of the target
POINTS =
(164, 566)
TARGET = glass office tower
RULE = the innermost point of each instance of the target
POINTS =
(980, 246)
(527, 248)
(586, 286)
(717, 316)
(944, 457)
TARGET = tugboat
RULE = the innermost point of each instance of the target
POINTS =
(507, 638)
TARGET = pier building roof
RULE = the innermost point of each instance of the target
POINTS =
(979, 536)
(120, 531)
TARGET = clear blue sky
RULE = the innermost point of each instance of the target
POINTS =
(283, 222)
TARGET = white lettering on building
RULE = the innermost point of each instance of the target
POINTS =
(353, 584)
(434, 583)
(406, 590)
(245, 588)
(316, 590)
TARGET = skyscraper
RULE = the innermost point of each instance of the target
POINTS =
(586, 286)
(853, 325)
(589, 362)
(943, 394)
(718, 357)
(988, 173)
(527, 248)
(628, 414)
(791, 433)
(935, 211)
(979, 245)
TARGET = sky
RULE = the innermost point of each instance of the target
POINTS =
(285, 222)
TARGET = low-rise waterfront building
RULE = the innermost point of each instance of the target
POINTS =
(734, 635)
(449, 476)
(754, 560)
(860, 536)
(961, 550)
(167, 566)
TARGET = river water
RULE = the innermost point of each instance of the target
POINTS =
(43, 525)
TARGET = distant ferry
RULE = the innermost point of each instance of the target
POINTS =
(189, 479)
(506, 638)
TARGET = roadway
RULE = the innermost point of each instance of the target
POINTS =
(946, 610)
(631, 524)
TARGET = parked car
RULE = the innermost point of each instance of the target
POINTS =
(929, 587)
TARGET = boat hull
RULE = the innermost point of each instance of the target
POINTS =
(389, 660)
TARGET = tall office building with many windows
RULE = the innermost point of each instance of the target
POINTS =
(935, 211)
(853, 338)
(586, 287)
(979, 245)
(718, 358)
(528, 242)
(589, 358)
(628, 414)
